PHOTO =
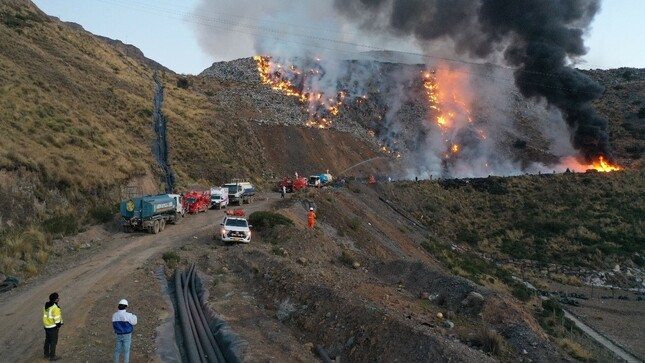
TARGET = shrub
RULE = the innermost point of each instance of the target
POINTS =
(489, 340)
(102, 214)
(354, 223)
(64, 225)
(521, 292)
(347, 258)
(171, 258)
(551, 308)
(183, 83)
(42, 257)
(30, 269)
(279, 251)
(575, 350)
(263, 220)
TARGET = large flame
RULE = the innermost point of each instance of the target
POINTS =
(293, 81)
(600, 165)
(603, 165)
(449, 98)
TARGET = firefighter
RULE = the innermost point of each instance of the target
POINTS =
(52, 321)
(311, 217)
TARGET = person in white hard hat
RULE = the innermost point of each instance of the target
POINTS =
(311, 217)
(123, 323)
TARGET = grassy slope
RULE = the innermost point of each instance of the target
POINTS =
(590, 219)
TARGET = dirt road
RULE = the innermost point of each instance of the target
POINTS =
(84, 281)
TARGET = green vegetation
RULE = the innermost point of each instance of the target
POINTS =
(171, 259)
(264, 220)
(582, 219)
(347, 258)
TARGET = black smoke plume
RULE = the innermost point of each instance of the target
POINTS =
(538, 38)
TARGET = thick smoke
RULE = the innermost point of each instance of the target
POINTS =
(537, 37)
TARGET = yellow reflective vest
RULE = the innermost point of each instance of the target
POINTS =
(52, 316)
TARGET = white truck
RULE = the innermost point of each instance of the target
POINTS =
(240, 192)
(219, 197)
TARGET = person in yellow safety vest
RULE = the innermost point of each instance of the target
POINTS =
(311, 217)
(52, 321)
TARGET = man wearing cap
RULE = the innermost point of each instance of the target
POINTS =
(311, 217)
(123, 323)
(52, 321)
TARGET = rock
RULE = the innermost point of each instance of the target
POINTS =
(474, 301)
(424, 295)
(448, 324)
(439, 316)
(301, 261)
(309, 346)
(356, 265)
(224, 270)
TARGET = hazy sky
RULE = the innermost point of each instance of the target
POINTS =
(187, 38)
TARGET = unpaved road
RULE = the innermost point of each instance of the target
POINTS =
(82, 286)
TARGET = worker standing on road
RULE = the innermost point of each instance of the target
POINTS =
(52, 321)
(283, 191)
(311, 217)
(123, 323)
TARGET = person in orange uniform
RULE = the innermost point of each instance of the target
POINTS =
(311, 217)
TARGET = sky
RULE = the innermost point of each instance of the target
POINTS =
(188, 36)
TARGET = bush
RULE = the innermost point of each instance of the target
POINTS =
(171, 258)
(521, 292)
(64, 225)
(264, 220)
(489, 340)
(347, 258)
(102, 214)
(354, 223)
(183, 83)
(552, 307)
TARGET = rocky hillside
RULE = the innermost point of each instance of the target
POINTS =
(77, 122)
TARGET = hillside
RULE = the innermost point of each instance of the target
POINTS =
(78, 112)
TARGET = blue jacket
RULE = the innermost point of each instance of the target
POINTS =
(123, 322)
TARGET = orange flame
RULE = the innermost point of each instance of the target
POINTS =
(603, 166)
(280, 78)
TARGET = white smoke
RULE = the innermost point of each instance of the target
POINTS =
(310, 35)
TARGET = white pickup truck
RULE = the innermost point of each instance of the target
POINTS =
(219, 197)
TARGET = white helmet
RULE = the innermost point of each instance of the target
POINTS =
(123, 302)
(311, 208)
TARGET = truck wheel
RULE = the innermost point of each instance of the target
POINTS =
(162, 225)
(155, 228)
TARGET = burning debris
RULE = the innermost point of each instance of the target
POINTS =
(537, 38)
(484, 45)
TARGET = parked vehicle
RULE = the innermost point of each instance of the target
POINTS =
(150, 213)
(322, 179)
(292, 184)
(240, 192)
(198, 201)
(235, 229)
(219, 197)
(180, 207)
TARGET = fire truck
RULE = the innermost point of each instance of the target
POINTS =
(292, 184)
(198, 201)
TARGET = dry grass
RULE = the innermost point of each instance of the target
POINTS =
(590, 219)
(575, 350)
